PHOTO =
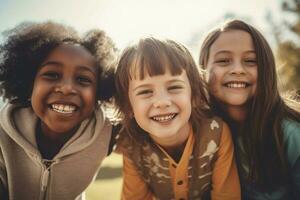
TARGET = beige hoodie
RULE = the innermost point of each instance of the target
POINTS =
(24, 175)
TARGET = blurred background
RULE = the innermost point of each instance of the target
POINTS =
(186, 21)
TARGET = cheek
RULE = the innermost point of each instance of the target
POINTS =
(187, 98)
(138, 113)
(136, 104)
(140, 110)
(89, 100)
(38, 99)
(137, 107)
(37, 93)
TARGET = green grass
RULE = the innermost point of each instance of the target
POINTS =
(108, 183)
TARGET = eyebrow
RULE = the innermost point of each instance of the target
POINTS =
(226, 51)
(141, 86)
(55, 63)
(60, 65)
(149, 84)
(85, 68)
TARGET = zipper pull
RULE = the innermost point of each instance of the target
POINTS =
(45, 176)
(45, 179)
(48, 163)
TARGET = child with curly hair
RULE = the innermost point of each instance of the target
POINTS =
(173, 146)
(53, 132)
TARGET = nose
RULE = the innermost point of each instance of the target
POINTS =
(66, 87)
(237, 68)
(162, 100)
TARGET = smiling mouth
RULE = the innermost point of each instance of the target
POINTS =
(237, 84)
(164, 118)
(63, 108)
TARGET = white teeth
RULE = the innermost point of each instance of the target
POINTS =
(63, 108)
(164, 118)
(236, 85)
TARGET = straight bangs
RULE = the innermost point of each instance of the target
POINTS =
(156, 58)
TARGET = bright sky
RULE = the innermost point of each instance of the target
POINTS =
(126, 20)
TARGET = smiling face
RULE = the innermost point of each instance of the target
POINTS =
(232, 69)
(64, 90)
(161, 105)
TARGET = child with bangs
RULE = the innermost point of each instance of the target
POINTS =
(53, 130)
(173, 146)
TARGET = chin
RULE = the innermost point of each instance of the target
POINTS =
(236, 101)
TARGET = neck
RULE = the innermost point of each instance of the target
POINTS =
(54, 136)
(174, 145)
(237, 114)
(49, 143)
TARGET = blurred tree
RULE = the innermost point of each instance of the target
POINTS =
(288, 50)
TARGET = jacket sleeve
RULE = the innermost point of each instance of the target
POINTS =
(3, 178)
(295, 173)
(225, 180)
(133, 185)
(292, 148)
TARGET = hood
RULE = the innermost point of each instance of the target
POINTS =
(20, 124)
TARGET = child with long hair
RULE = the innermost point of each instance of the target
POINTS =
(53, 132)
(266, 131)
(173, 147)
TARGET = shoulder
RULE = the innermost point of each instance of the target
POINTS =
(291, 128)
(291, 131)
(211, 128)
(291, 140)
(102, 118)
(220, 128)
(213, 123)
(123, 141)
(7, 112)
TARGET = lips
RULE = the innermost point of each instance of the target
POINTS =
(164, 118)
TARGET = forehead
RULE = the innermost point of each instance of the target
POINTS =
(233, 40)
(71, 54)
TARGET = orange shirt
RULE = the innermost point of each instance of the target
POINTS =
(225, 180)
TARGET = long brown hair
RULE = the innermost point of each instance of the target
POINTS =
(155, 56)
(262, 135)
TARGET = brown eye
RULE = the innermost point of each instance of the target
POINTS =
(50, 75)
(251, 62)
(84, 80)
(175, 87)
(144, 92)
(223, 61)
